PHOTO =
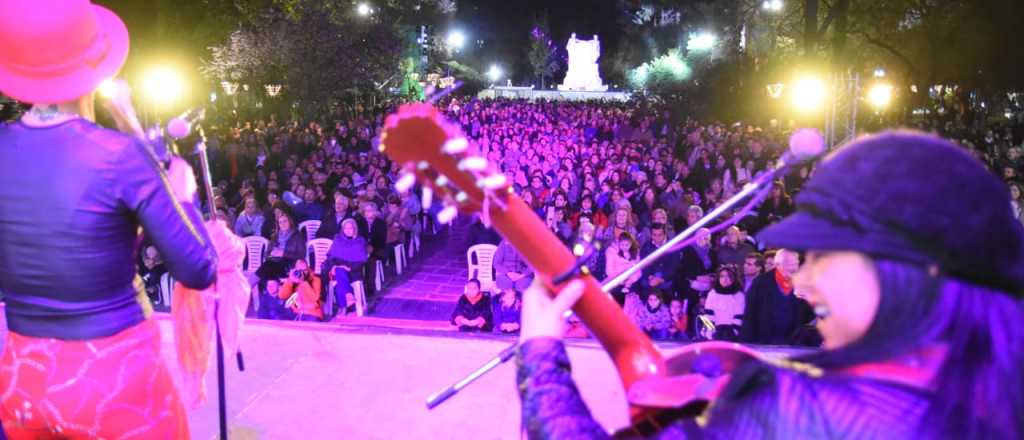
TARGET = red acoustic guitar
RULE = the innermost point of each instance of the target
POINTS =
(438, 154)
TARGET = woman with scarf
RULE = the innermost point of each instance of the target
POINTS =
(725, 303)
(287, 244)
(344, 262)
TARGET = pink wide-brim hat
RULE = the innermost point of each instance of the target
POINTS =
(57, 51)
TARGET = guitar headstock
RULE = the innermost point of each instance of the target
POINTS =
(436, 153)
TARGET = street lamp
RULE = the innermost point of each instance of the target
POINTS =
(456, 39)
(808, 94)
(880, 95)
(772, 5)
(163, 85)
(364, 9)
(775, 90)
(494, 73)
(702, 41)
(229, 87)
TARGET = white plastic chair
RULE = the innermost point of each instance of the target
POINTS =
(310, 226)
(378, 275)
(317, 249)
(400, 261)
(481, 265)
(166, 288)
(255, 251)
(358, 290)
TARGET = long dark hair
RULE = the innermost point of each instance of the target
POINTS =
(978, 388)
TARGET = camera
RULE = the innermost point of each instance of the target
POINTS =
(299, 273)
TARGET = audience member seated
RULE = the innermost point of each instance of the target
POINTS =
(376, 234)
(677, 311)
(753, 266)
(654, 318)
(330, 224)
(662, 273)
(725, 305)
(510, 268)
(695, 276)
(286, 246)
(473, 311)
(301, 293)
(344, 264)
(773, 314)
(151, 270)
(507, 310)
(250, 222)
(735, 249)
(271, 304)
(623, 255)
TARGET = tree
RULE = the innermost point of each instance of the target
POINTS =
(543, 53)
(321, 51)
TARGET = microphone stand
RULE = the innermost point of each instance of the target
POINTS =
(759, 188)
(204, 165)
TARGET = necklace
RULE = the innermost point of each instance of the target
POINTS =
(40, 116)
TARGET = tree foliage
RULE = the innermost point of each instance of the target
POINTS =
(321, 51)
(543, 53)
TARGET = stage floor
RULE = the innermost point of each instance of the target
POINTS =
(356, 380)
(313, 381)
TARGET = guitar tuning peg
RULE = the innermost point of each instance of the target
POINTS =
(461, 197)
(447, 215)
(455, 146)
(405, 182)
(428, 197)
(441, 181)
(492, 182)
(473, 164)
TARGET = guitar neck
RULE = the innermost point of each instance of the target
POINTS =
(631, 350)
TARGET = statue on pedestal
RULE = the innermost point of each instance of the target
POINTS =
(583, 74)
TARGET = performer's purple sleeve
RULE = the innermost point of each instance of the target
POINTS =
(175, 228)
(551, 405)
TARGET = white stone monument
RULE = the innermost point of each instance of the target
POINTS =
(582, 75)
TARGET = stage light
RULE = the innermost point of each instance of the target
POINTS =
(880, 95)
(879, 73)
(107, 89)
(772, 5)
(494, 73)
(775, 90)
(702, 41)
(364, 9)
(456, 39)
(808, 94)
(163, 85)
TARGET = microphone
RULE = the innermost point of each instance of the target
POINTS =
(804, 144)
(180, 126)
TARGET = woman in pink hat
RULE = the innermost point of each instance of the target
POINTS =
(82, 359)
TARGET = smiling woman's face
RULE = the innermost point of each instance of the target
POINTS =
(847, 285)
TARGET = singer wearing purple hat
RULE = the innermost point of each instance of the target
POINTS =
(914, 264)
(82, 358)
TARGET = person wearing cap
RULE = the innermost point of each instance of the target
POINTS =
(81, 357)
(917, 285)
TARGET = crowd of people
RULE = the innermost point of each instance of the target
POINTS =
(625, 177)
(628, 177)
